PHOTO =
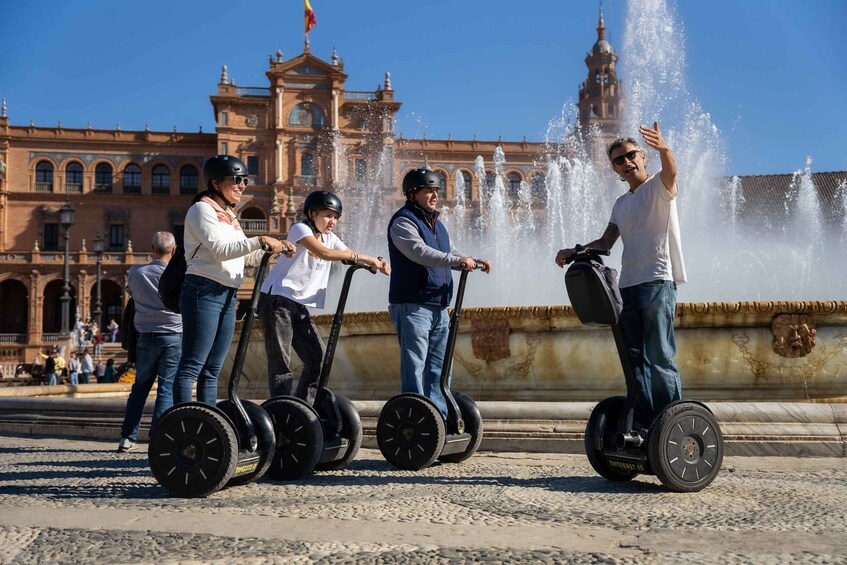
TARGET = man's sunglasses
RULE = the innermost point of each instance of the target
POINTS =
(629, 156)
(239, 179)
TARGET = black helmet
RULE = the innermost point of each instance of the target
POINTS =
(321, 199)
(419, 178)
(222, 166)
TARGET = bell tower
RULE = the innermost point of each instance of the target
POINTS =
(600, 101)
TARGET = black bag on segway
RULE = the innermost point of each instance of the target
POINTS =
(594, 293)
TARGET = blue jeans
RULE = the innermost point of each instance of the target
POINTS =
(422, 333)
(53, 379)
(647, 323)
(155, 355)
(73, 378)
(208, 321)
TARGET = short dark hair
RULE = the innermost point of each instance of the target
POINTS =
(620, 142)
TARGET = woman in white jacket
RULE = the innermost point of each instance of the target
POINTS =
(216, 250)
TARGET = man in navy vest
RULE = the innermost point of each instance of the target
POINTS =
(421, 286)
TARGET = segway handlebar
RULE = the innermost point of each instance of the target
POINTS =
(359, 264)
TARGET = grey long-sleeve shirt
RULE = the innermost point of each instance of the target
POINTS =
(405, 236)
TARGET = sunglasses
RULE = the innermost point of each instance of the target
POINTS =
(629, 156)
(239, 179)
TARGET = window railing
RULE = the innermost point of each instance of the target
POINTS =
(50, 338)
(253, 91)
(44, 187)
(305, 180)
(365, 95)
(73, 187)
(102, 188)
(132, 189)
(12, 338)
(254, 225)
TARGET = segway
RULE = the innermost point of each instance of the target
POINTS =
(195, 449)
(683, 446)
(323, 437)
(411, 431)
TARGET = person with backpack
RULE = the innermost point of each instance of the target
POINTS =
(218, 252)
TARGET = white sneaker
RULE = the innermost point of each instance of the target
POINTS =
(125, 445)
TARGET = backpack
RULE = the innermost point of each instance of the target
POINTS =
(170, 283)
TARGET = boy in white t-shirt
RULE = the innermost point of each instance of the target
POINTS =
(646, 219)
(298, 282)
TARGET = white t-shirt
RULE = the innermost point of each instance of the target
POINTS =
(303, 277)
(649, 226)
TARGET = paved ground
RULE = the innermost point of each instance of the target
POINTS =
(67, 501)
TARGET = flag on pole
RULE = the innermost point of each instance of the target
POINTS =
(311, 20)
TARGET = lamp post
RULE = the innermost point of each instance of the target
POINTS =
(66, 218)
(98, 251)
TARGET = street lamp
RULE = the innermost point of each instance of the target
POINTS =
(98, 250)
(66, 218)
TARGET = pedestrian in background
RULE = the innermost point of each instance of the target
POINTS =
(159, 344)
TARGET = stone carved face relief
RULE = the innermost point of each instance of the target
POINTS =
(793, 335)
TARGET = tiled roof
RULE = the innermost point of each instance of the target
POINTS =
(772, 198)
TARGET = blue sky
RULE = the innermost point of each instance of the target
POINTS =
(772, 74)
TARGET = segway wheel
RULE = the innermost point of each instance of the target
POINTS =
(600, 432)
(685, 447)
(299, 438)
(410, 432)
(266, 439)
(473, 426)
(193, 450)
(351, 430)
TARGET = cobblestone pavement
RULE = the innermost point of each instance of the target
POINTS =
(69, 501)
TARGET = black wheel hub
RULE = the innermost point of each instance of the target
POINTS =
(691, 448)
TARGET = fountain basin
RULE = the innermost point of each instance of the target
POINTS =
(725, 351)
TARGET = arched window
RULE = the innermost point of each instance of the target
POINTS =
(361, 169)
(253, 220)
(307, 165)
(161, 179)
(188, 179)
(442, 184)
(514, 183)
(537, 185)
(468, 185)
(307, 114)
(103, 177)
(132, 179)
(44, 177)
(489, 182)
(73, 177)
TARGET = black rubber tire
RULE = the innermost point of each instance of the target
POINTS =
(264, 429)
(473, 425)
(685, 447)
(351, 430)
(193, 450)
(410, 432)
(299, 438)
(599, 432)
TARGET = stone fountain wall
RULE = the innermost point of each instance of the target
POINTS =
(726, 351)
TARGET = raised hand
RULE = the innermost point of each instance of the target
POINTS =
(653, 137)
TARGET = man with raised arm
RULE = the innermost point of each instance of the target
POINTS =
(646, 219)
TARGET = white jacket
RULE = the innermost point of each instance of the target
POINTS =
(222, 248)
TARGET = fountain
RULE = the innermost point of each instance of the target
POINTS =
(782, 336)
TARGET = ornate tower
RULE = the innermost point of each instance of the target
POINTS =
(600, 94)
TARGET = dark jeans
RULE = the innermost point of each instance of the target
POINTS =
(647, 323)
(288, 324)
(208, 321)
(157, 355)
